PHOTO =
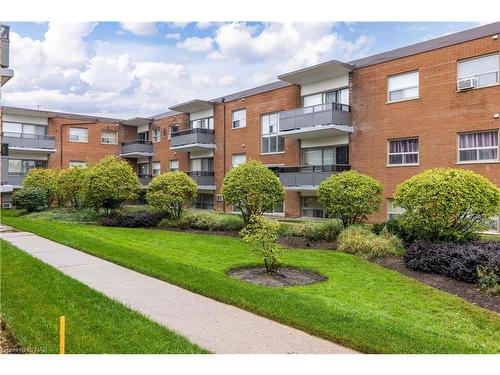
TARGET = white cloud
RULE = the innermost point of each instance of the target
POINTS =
(196, 44)
(227, 80)
(175, 36)
(178, 25)
(140, 28)
(109, 75)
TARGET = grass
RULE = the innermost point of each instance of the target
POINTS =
(34, 295)
(361, 305)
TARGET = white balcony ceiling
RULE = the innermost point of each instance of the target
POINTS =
(320, 131)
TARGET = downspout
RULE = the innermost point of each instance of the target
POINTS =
(224, 146)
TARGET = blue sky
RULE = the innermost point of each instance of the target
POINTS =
(140, 69)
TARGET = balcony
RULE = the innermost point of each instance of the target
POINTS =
(194, 139)
(145, 179)
(14, 179)
(30, 142)
(316, 121)
(5, 72)
(307, 177)
(204, 179)
(137, 148)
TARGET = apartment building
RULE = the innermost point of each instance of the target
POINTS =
(5, 72)
(391, 116)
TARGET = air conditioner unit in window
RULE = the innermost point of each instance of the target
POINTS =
(6, 205)
(466, 84)
(218, 197)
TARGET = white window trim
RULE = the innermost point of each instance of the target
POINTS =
(478, 161)
(115, 140)
(402, 153)
(170, 165)
(153, 138)
(389, 101)
(477, 75)
(232, 119)
(78, 141)
(389, 212)
(278, 214)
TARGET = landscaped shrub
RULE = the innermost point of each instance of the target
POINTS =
(206, 220)
(253, 188)
(136, 219)
(261, 234)
(350, 196)
(30, 199)
(109, 184)
(170, 192)
(459, 261)
(322, 231)
(394, 226)
(447, 204)
(45, 180)
(364, 243)
(81, 215)
(181, 223)
(70, 186)
(488, 279)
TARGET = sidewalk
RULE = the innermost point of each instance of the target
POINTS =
(213, 325)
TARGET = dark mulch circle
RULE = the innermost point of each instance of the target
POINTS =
(286, 276)
(304, 243)
(469, 292)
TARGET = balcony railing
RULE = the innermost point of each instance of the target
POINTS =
(203, 178)
(14, 178)
(307, 175)
(192, 136)
(29, 141)
(144, 179)
(137, 146)
(321, 114)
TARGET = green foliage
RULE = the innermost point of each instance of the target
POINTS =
(253, 188)
(170, 192)
(44, 179)
(81, 215)
(261, 234)
(366, 244)
(30, 199)
(322, 231)
(350, 196)
(206, 220)
(109, 184)
(488, 280)
(447, 204)
(70, 186)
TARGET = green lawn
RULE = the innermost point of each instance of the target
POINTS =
(361, 305)
(34, 295)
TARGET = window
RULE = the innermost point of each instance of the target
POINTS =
(331, 155)
(239, 119)
(393, 211)
(143, 169)
(271, 141)
(79, 135)
(172, 129)
(156, 171)
(238, 159)
(143, 136)
(202, 164)
(156, 135)
(310, 207)
(204, 201)
(403, 151)
(402, 86)
(22, 167)
(204, 123)
(493, 225)
(16, 129)
(335, 96)
(109, 137)
(483, 69)
(482, 146)
(279, 209)
(173, 165)
(79, 164)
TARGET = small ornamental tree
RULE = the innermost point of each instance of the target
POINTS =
(70, 186)
(170, 192)
(447, 204)
(261, 234)
(253, 189)
(45, 180)
(109, 184)
(350, 196)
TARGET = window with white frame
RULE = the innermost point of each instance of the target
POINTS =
(156, 135)
(239, 119)
(78, 164)
(483, 69)
(393, 211)
(156, 168)
(403, 151)
(79, 135)
(271, 141)
(172, 129)
(493, 225)
(278, 209)
(109, 137)
(238, 159)
(481, 146)
(203, 123)
(173, 165)
(310, 207)
(17, 129)
(403, 86)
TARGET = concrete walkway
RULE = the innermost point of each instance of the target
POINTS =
(213, 325)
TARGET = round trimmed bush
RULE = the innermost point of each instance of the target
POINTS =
(447, 204)
(253, 188)
(45, 180)
(170, 192)
(30, 199)
(366, 244)
(350, 196)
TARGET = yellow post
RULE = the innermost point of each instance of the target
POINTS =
(62, 329)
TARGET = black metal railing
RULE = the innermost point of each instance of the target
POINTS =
(200, 173)
(192, 131)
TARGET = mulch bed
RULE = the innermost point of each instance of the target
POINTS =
(286, 276)
(469, 292)
(304, 243)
